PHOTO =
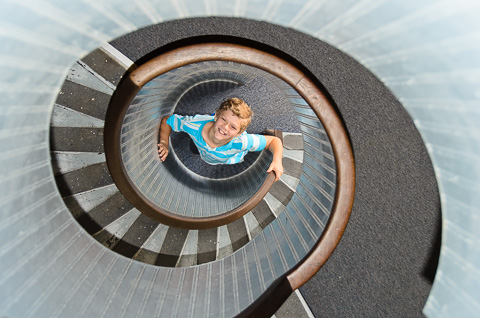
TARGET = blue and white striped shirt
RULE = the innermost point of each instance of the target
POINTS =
(231, 153)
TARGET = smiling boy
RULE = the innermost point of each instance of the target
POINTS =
(221, 138)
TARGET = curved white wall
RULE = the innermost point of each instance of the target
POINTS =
(426, 52)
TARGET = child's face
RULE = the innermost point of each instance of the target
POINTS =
(227, 126)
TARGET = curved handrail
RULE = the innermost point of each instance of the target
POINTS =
(290, 74)
(345, 189)
(119, 104)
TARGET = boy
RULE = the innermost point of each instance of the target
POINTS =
(221, 138)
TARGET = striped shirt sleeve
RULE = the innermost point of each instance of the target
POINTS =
(252, 142)
(188, 124)
(176, 122)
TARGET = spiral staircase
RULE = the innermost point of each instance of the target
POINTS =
(83, 178)
(78, 135)
(63, 255)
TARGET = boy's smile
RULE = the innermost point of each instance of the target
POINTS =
(226, 127)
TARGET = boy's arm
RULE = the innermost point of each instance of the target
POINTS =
(165, 131)
(274, 144)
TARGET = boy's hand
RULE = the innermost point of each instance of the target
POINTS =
(277, 167)
(274, 144)
(164, 134)
(162, 151)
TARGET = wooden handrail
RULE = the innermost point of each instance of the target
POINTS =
(317, 100)
(119, 104)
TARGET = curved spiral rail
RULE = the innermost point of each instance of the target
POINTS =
(319, 164)
(132, 84)
(93, 199)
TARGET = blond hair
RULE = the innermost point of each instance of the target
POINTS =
(239, 108)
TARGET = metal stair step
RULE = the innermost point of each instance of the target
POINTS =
(172, 247)
(207, 245)
(136, 235)
(76, 139)
(104, 214)
(83, 99)
(238, 233)
(84, 179)
(105, 65)
(282, 192)
(263, 214)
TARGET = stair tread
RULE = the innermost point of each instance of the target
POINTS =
(66, 117)
(83, 99)
(104, 214)
(68, 161)
(84, 179)
(105, 65)
(111, 234)
(85, 201)
(207, 245)
(281, 192)
(136, 235)
(172, 247)
(238, 233)
(263, 214)
(82, 74)
(76, 139)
